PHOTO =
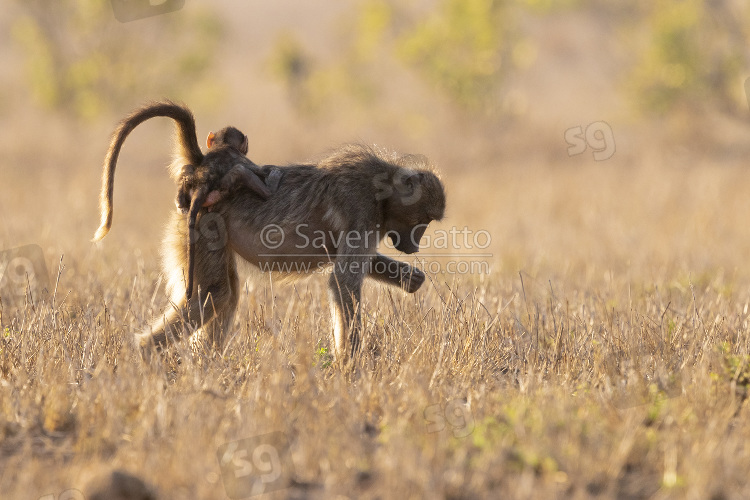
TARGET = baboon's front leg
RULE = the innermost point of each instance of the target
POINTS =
(344, 290)
(394, 272)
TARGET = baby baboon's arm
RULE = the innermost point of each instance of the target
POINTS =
(240, 175)
(184, 191)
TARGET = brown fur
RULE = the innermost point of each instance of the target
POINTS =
(187, 150)
(223, 167)
(355, 190)
(188, 154)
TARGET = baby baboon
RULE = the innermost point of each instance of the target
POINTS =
(225, 166)
(334, 212)
(217, 164)
(187, 154)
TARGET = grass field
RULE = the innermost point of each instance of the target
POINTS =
(605, 355)
(585, 336)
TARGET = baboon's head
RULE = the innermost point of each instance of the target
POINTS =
(228, 136)
(418, 198)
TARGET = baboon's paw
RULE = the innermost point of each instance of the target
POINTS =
(414, 280)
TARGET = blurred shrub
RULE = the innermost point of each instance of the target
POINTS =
(688, 52)
(463, 47)
(694, 53)
(291, 64)
(312, 86)
(468, 48)
(81, 62)
(307, 85)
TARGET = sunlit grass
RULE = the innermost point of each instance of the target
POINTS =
(606, 354)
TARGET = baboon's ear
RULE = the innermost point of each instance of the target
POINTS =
(411, 189)
(210, 140)
(244, 146)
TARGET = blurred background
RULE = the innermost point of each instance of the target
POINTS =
(578, 133)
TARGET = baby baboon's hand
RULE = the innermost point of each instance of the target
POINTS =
(213, 198)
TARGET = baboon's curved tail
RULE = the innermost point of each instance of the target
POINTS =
(188, 145)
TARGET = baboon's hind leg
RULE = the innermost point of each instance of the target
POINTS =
(214, 301)
(224, 306)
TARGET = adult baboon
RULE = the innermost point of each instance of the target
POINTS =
(333, 212)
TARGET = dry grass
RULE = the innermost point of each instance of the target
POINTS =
(605, 356)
